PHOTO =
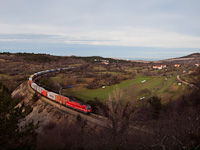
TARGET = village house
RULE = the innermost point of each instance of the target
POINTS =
(105, 62)
(159, 67)
(177, 65)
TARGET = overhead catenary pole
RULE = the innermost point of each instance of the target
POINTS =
(60, 95)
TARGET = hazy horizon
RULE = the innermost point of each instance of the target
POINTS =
(121, 52)
(124, 58)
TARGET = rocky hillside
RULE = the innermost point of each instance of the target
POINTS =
(52, 122)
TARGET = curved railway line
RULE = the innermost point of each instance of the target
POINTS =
(93, 118)
(99, 120)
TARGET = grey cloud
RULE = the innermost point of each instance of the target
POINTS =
(171, 15)
(83, 20)
(27, 36)
(48, 38)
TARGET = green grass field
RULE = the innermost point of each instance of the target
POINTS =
(166, 89)
(167, 84)
(100, 93)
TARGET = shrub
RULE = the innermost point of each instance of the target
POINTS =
(155, 103)
(35, 97)
(145, 91)
(28, 110)
(78, 118)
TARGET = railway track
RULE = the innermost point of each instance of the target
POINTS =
(98, 120)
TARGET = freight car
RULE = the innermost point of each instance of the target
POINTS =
(76, 105)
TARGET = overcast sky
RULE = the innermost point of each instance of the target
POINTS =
(111, 28)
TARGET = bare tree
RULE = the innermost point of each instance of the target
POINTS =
(120, 111)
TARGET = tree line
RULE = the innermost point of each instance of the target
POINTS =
(11, 136)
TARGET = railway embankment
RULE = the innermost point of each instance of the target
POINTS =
(52, 119)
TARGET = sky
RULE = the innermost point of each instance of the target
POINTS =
(128, 29)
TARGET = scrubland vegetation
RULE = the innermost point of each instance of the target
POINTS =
(11, 136)
(167, 116)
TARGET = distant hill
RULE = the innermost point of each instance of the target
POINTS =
(99, 58)
(46, 58)
(194, 55)
(191, 58)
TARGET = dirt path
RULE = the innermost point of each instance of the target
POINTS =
(184, 82)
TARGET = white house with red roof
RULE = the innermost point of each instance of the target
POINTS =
(159, 67)
(105, 62)
(177, 65)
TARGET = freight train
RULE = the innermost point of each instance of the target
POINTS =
(76, 105)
